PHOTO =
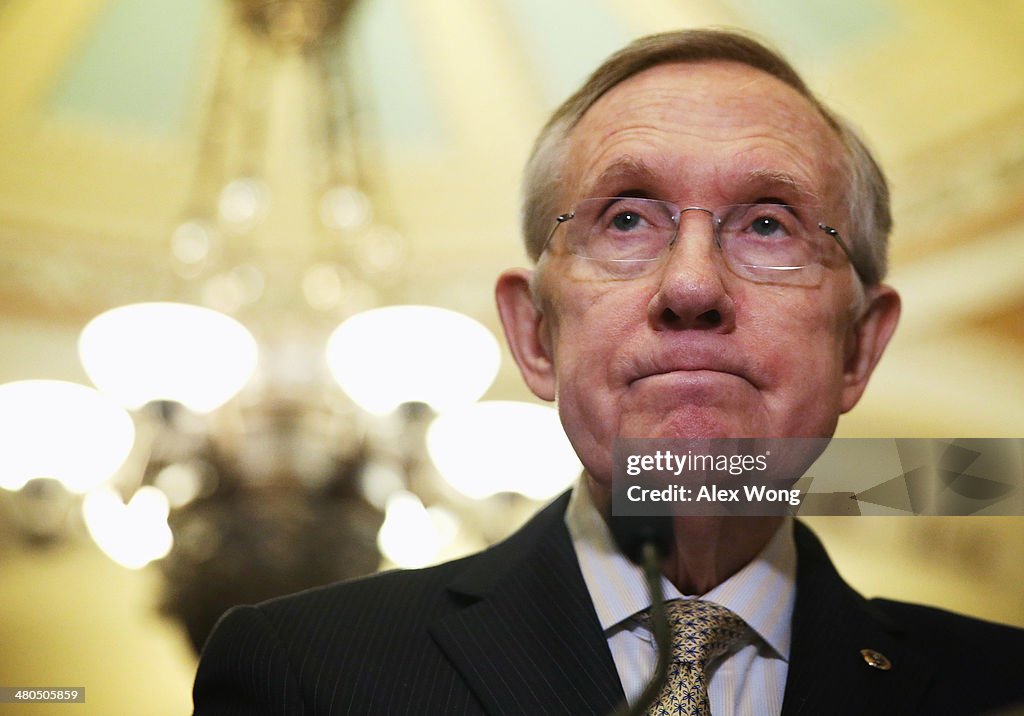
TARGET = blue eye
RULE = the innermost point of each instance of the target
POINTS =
(765, 225)
(626, 221)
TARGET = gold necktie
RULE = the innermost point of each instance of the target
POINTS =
(701, 631)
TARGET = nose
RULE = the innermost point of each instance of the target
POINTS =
(691, 292)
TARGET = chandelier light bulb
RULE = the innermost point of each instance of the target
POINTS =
(400, 354)
(188, 354)
(192, 241)
(503, 446)
(132, 534)
(242, 201)
(60, 430)
(321, 286)
(346, 208)
(408, 535)
(380, 251)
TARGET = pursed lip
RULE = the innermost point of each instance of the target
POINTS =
(687, 359)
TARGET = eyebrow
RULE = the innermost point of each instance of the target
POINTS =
(643, 176)
(771, 178)
(622, 169)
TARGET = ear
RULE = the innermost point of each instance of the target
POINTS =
(525, 330)
(866, 341)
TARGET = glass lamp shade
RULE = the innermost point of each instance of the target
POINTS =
(503, 446)
(59, 430)
(398, 354)
(132, 534)
(168, 351)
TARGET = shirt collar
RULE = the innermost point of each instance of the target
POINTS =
(762, 593)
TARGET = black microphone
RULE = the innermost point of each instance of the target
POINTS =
(646, 541)
(632, 533)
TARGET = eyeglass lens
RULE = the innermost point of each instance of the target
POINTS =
(761, 242)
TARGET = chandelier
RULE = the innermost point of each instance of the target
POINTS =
(278, 416)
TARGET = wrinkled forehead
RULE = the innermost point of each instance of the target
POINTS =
(712, 121)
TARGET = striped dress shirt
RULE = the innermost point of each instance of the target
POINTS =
(750, 680)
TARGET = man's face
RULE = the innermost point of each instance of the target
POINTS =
(691, 349)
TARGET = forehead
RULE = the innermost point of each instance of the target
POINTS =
(705, 132)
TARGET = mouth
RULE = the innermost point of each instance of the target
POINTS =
(695, 374)
(689, 366)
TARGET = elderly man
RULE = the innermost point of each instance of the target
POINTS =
(710, 244)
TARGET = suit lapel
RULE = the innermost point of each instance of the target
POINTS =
(831, 625)
(528, 640)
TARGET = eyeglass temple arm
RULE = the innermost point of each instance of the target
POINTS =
(842, 244)
(559, 220)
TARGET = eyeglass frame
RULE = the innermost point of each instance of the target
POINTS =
(826, 228)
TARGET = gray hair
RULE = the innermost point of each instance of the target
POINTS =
(867, 193)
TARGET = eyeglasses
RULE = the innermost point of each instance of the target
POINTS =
(625, 237)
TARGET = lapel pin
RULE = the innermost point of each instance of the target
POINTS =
(876, 659)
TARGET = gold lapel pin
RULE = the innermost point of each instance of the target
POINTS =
(876, 659)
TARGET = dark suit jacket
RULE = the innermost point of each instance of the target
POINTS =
(512, 630)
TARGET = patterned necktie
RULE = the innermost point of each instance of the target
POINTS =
(701, 632)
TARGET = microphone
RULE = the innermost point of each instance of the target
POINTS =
(632, 533)
(646, 541)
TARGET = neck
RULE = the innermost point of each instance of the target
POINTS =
(709, 550)
(706, 550)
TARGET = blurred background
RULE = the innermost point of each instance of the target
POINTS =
(247, 335)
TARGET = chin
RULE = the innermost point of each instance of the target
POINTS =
(690, 424)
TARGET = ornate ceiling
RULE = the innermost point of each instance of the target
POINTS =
(100, 110)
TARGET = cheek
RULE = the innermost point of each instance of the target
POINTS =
(593, 322)
(805, 373)
(586, 406)
(586, 343)
(590, 320)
